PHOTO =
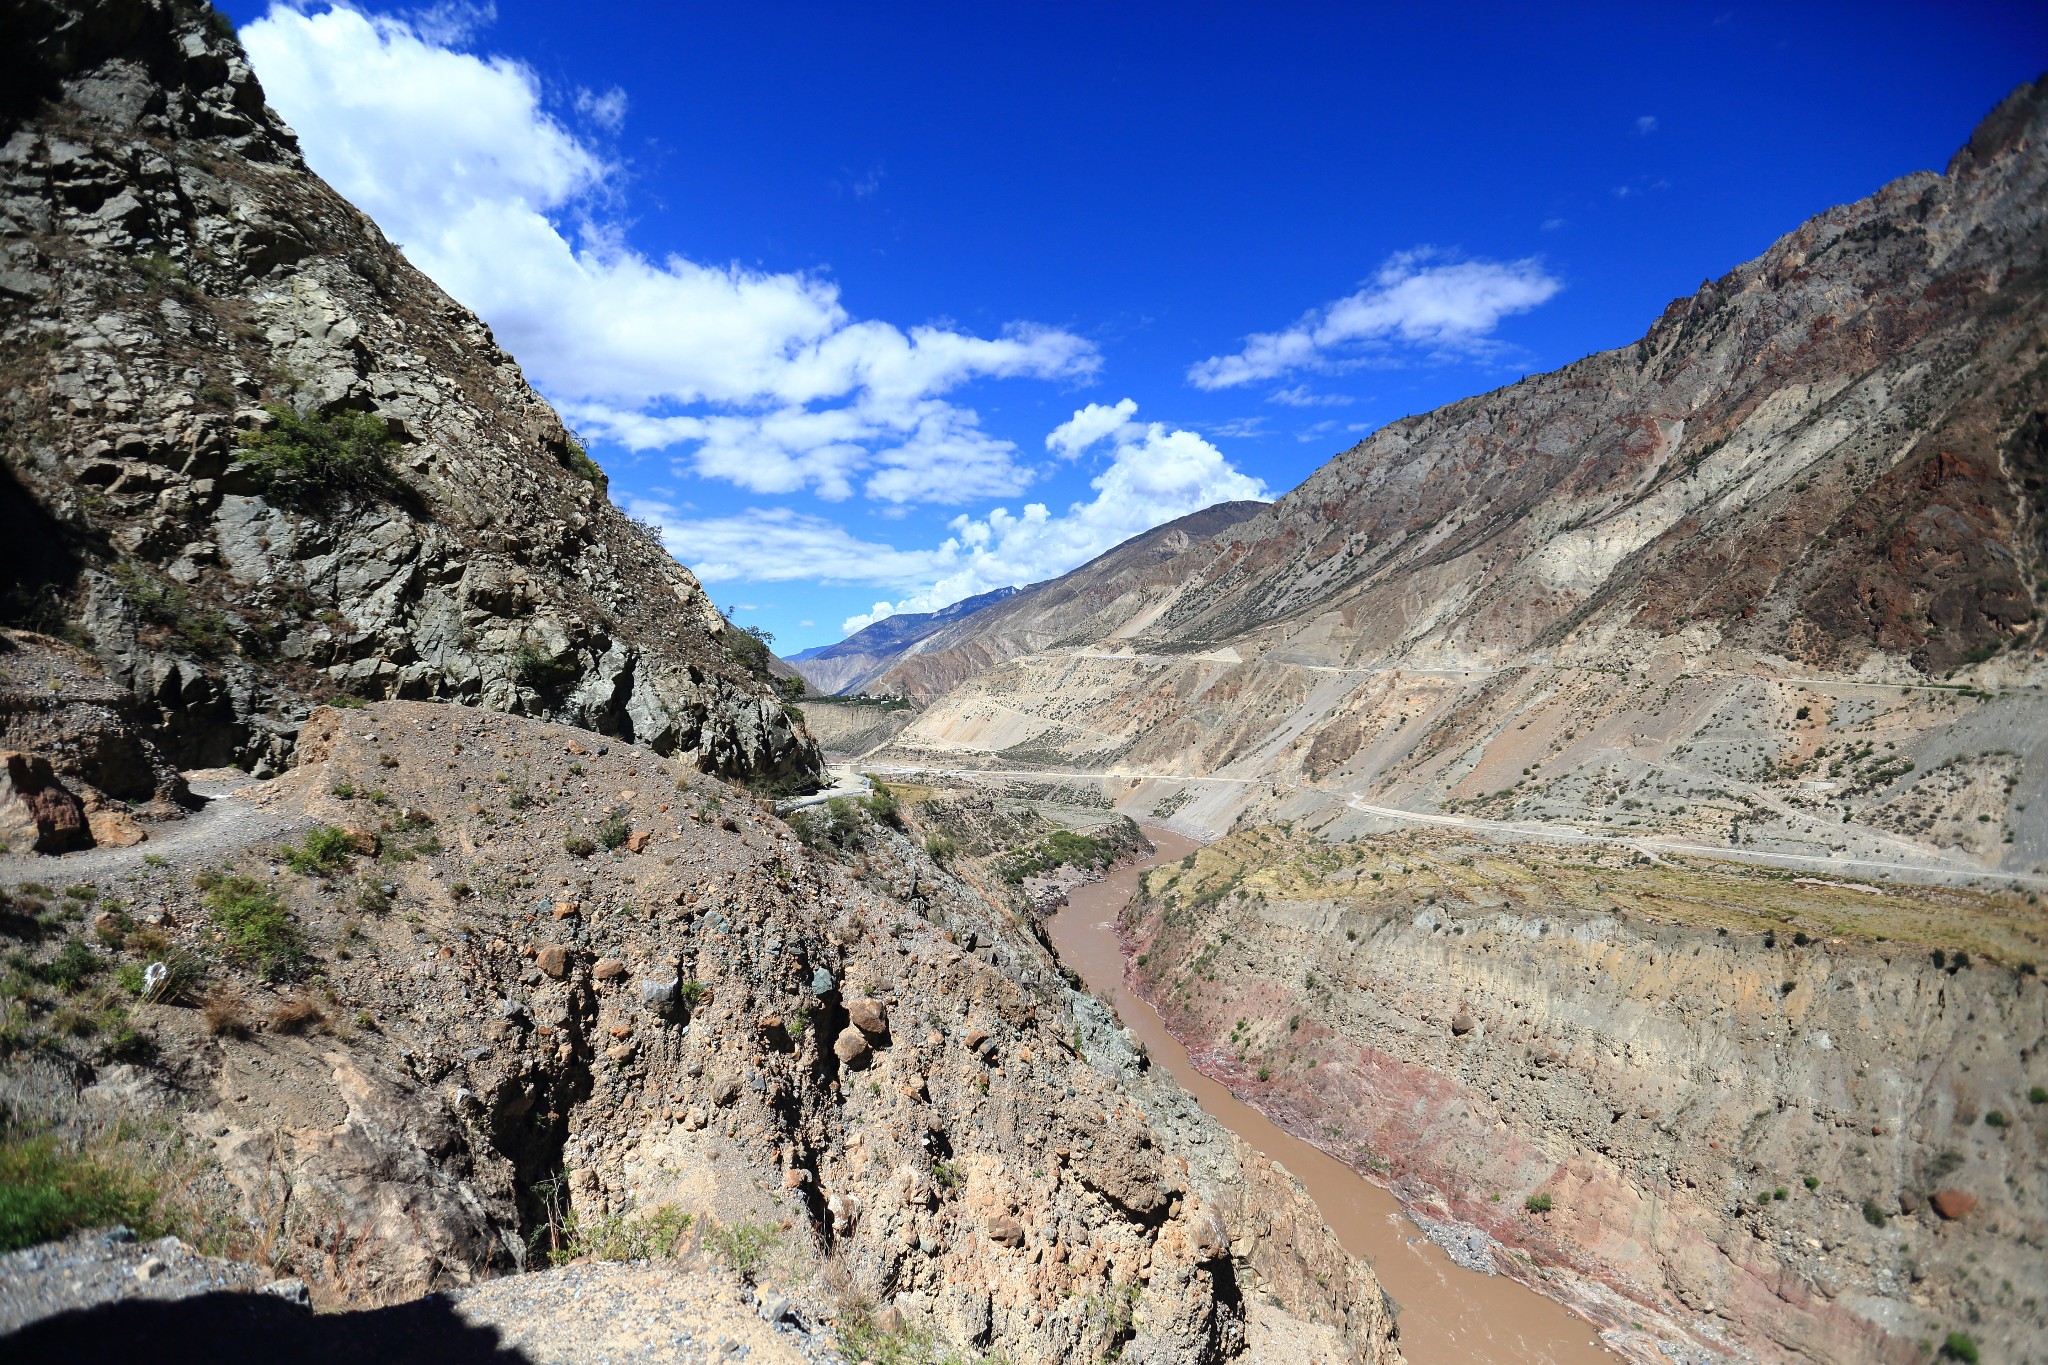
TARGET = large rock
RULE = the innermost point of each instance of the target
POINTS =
(36, 812)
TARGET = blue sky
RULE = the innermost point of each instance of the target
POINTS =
(874, 306)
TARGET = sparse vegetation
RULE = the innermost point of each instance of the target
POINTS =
(323, 849)
(254, 925)
(48, 1190)
(309, 458)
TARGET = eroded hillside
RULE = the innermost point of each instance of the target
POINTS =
(1767, 578)
(468, 991)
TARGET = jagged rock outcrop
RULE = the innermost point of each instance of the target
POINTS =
(1682, 574)
(175, 287)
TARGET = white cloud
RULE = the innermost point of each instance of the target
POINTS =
(779, 545)
(1154, 474)
(452, 22)
(1447, 307)
(607, 109)
(1646, 125)
(1300, 396)
(1089, 425)
(764, 376)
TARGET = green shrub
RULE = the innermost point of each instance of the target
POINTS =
(312, 458)
(941, 848)
(580, 464)
(324, 849)
(1874, 1215)
(616, 828)
(255, 926)
(2038, 1095)
(48, 1192)
(883, 805)
(945, 1175)
(579, 846)
(744, 1246)
(1959, 1346)
(1996, 1118)
(74, 965)
(1537, 1203)
(1812, 1182)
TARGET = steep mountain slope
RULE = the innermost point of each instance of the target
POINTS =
(1707, 585)
(850, 664)
(1093, 600)
(255, 460)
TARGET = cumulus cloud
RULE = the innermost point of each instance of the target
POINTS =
(1153, 474)
(1416, 299)
(763, 378)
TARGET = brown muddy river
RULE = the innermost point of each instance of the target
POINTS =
(1449, 1315)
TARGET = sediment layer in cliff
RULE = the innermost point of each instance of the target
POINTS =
(1728, 1113)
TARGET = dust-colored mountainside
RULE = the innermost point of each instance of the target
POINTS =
(463, 993)
(1084, 604)
(1710, 586)
(254, 460)
(1754, 1115)
(867, 653)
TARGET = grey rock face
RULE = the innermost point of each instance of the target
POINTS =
(172, 277)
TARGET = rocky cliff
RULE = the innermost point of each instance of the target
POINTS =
(254, 460)
(1767, 577)
(1728, 1114)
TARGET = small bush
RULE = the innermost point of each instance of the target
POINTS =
(1874, 1215)
(941, 848)
(945, 1175)
(1996, 1118)
(48, 1192)
(1960, 1346)
(1812, 1182)
(254, 924)
(324, 849)
(616, 828)
(744, 1246)
(2038, 1095)
(1537, 1203)
(74, 965)
(313, 459)
(579, 846)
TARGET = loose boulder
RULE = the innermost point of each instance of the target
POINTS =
(36, 812)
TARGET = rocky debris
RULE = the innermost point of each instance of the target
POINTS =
(109, 1265)
(457, 1102)
(871, 1017)
(36, 812)
(177, 282)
